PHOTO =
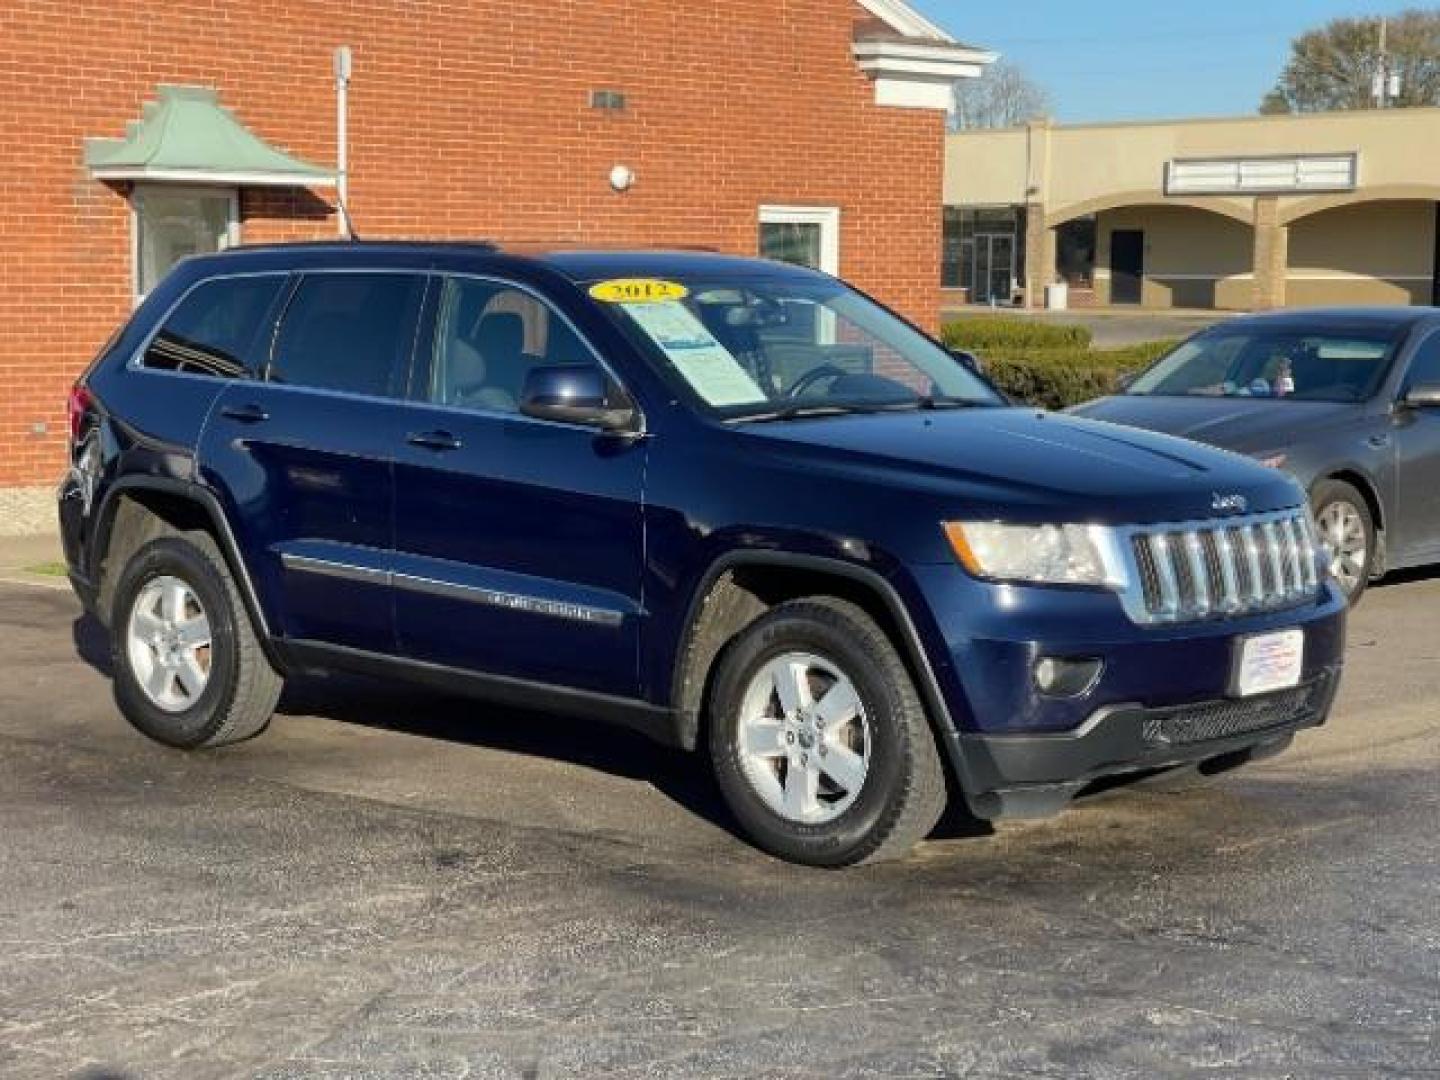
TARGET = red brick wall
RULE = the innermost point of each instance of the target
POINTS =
(469, 118)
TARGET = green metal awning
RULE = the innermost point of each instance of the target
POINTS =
(187, 136)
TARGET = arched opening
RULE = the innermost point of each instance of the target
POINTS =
(1376, 252)
(1168, 255)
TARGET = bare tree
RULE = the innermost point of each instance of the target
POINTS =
(1336, 65)
(1003, 97)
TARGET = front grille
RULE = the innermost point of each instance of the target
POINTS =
(1221, 720)
(1221, 569)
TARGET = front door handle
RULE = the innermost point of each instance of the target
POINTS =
(1379, 442)
(433, 440)
(246, 414)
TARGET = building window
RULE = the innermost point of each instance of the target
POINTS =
(173, 222)
(802, 235)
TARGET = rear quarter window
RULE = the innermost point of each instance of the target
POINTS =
(213, 330)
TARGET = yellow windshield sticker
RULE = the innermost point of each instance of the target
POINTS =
(638, 291)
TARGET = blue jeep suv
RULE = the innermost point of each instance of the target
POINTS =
(735, 504)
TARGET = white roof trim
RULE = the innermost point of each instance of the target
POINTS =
(207, 176)
(904, 19)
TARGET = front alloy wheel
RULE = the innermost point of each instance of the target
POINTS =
(805, 739)
(820, 744)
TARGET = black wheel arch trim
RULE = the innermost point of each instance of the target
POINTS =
(209, 503)
(911, 645)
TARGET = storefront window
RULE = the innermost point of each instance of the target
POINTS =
(983, 251)
(171, 223)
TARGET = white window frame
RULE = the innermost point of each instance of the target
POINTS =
(141, 188)
(827, 217)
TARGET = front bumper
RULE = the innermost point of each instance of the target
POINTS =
(1163, 696)
(1037, 775)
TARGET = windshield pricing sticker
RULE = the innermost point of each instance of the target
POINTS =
(706, 364)
(638, 291)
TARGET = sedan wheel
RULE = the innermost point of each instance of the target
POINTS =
(1347, 535)
(1342, 534)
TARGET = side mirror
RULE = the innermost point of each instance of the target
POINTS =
(1423, 396)
(573, 394)
(1125, 380)
(968, 360)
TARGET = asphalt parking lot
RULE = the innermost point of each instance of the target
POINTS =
(388, 884)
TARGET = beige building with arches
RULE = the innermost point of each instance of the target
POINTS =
(1243, 213)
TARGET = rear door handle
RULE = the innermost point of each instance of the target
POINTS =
(1379, 441)
(246, 414)
(433, 440)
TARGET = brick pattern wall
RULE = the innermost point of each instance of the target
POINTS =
(469, 118)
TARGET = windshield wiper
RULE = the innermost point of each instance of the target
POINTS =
(800, 411)
(947, 401)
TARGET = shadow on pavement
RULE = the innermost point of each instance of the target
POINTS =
(684, 778)
(92, 643)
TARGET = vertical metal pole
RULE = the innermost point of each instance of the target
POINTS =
(342, 138)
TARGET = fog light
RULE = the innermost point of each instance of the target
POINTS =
(1059, 677)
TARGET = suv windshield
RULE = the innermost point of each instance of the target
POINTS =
(781, 347)
(1281, 364)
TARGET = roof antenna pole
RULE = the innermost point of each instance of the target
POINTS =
(342, 139)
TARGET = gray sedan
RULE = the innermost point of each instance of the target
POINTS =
(1346, 400)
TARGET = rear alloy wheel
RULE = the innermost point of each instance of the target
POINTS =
(189, 669)
(168, 643)
(1347, 535)
(820, 744)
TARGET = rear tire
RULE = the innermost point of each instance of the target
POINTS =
(189, 669)
(849, 772)
(1347, 532)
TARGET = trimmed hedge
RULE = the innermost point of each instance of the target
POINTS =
(979, 333)
(1059, 378)
(1044, 364)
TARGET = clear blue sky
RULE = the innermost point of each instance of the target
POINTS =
(1136, 59)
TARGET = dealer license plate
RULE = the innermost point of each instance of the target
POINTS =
(1269, 662)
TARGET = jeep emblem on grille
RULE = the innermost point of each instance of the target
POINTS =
(1228, 504)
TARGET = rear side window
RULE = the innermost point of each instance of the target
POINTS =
(214, 329)
(349, 332)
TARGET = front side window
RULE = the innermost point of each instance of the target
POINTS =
(349, 332)
(1277, 364)
(213, 330)
(173, 223)
(747, 347)
(488, 337)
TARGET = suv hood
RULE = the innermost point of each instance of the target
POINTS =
(1024, 464)
(1245, 425)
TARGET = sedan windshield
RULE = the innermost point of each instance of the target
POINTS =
(1280, 364)
(784, 347)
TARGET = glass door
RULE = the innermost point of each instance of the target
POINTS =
(994, 272)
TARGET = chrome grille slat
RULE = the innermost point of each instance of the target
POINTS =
(1221, 569)
(1165, 567)
(1198, 573)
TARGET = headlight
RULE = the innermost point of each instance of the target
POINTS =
(1039, 554)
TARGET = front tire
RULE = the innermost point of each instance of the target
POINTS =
(1347, 533)
(819, 741)
(189, 669)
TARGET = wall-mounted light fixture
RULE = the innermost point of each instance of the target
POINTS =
(622, 178)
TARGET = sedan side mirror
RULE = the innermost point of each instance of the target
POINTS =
(573, 394)
(1423, 396)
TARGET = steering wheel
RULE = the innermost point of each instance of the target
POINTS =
(814, 375)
